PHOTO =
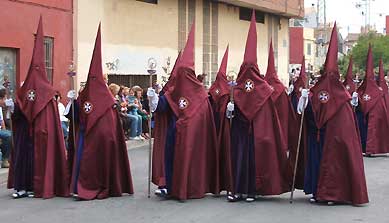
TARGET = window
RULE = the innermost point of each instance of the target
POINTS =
(8, 68)
(149, 1)
(49, 46)
(309, 49)
(245, 14)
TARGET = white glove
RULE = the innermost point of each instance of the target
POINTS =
(230, 107)
(153, 99)
(354, 99)
(10, 103)
(303, 101)
(71, 94)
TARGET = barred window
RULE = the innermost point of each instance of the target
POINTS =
(245, 14)
(49, 48)
(149, 1)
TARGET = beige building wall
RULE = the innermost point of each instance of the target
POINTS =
(309, 41)
(133, 31)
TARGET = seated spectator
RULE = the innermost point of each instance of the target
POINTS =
(130, 123)
(5, 135)
(133, 108)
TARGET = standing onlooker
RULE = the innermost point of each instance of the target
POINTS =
(5, 135)
(62, 118)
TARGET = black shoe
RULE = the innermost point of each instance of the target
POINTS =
(162, 193)
(20, 194)
(234, 198)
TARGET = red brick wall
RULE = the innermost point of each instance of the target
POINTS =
(19, 21)
(296, 47)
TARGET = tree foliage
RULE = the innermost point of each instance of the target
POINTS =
(380, 47)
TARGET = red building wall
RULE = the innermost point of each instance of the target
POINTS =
(19, 21)
(296, 47)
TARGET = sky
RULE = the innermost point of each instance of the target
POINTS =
(350, 18)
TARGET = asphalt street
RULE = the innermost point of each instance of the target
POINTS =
(138, 208)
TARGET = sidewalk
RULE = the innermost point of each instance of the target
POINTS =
(131, 144)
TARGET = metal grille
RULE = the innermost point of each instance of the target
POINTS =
(49, 46)
(131, 80)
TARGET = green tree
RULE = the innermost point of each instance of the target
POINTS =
(380, 47)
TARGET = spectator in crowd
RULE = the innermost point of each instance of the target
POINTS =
(63, 119)
(5, 135)
(141, 110)
(133, 112)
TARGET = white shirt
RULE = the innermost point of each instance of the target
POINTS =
(61, 109)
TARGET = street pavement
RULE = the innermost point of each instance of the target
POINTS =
(138, 208)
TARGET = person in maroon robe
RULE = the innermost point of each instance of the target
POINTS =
(101, 166)
(220, 95)
(374, 123)
(383, 84)
(334, 170)
(38, 160)
(191, 153)
(280, 98)
(258, 156)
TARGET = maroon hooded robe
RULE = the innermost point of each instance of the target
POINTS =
(195, 161)
(258, 155)
(383, 84)
(35, 100)
(374, 108)
(341, 174)
(220, 96)
(102, 168)
(280, 98)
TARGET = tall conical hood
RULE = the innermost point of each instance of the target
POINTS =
(220, 87)
(250, 54)
(349, 81)
(36, 91)
(223, 65)
(382, 82)
(329, 94)
(96, 98)
(187, 58)
(251, 91)
(370, 65)
(331, 64)
(172, 76)
(272, 77)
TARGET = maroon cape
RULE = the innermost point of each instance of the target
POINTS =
(374, 107)
(195, 152)
(104, 168)
(36, 100)
(280, 98)
(341, 175)
(220, 95)
(160, 130)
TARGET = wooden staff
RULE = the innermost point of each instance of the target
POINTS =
(298, 149)
(151, 64)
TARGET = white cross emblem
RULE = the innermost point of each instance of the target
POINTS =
(183, 103)
(31, 95)
(324, 96)
(217, 91)
(348, 87)
(88, 107)
(271, 87)
(249, 86)
(380, 88)
(366, 97)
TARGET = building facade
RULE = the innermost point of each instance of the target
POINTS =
(19, 22)
(135, 30)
